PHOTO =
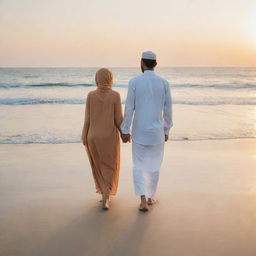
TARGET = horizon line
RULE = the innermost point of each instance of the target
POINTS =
(127, 66)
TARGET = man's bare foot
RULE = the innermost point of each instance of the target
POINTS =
(151, 201)
(143, 207)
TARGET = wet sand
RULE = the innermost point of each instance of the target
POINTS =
(207, 203)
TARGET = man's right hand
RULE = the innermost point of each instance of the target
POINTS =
(126, 138)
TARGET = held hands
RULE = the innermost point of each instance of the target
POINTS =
(126, 137)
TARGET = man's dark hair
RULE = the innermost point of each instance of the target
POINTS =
(149, 63)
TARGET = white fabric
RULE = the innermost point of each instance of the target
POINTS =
(148, 55)
(147, 161)
(149, 100)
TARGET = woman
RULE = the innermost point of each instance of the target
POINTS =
(100, 136)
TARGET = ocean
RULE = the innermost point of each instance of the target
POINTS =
(46, 105)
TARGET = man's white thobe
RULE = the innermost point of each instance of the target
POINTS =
(148, 108)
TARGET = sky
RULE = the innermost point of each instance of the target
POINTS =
(83, 33)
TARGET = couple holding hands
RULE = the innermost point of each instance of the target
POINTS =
(148, 110)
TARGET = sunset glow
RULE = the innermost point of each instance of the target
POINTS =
(114, 32)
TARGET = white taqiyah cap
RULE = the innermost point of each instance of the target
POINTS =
(148, 55)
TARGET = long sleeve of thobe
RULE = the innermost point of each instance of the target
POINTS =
(167, 113)
(129, 110)
(118, 112)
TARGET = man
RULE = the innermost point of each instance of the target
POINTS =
(149, 105)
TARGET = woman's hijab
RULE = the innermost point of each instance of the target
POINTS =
(104, 79)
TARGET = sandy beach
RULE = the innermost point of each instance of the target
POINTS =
(206, 205)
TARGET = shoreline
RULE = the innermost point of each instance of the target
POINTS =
(170, 140)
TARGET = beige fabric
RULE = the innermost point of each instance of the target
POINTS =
(103, 117)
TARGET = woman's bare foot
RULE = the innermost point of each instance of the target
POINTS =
(101, 200)
(105, 202)
(151, 201)
(105, 205)
(143, 205)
